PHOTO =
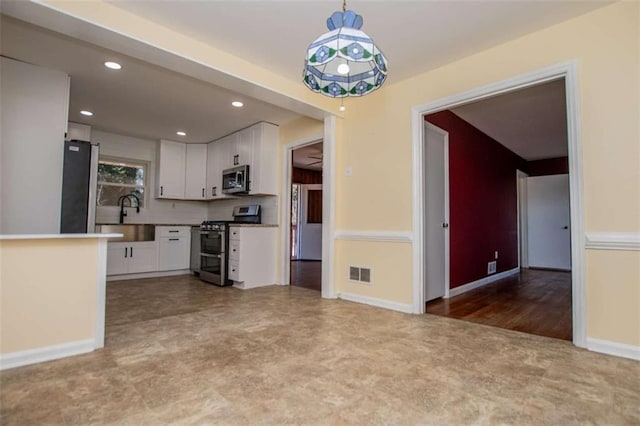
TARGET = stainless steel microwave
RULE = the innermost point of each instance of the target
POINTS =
(236, 180)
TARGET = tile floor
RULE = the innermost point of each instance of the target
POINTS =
(183, 352)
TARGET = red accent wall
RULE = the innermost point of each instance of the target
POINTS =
(482, 200)
(550, 166)
(305, 176)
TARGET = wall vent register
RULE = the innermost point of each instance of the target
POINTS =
(360, 274)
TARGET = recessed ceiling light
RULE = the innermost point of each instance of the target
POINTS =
(112, 65)
(181, 134)
(87, 113)
(237, 104)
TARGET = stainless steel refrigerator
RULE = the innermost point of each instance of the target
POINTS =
(79, 186)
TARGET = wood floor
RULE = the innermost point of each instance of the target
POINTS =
(535, 301)
(306, 274)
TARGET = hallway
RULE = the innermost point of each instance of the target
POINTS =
(535, 302)
(306, 274)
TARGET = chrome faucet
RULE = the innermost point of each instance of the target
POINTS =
(123, 212)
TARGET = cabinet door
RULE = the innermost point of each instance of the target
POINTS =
(143, 257)
(231, 157)
(244, 148)
(264, 166)
(214, 174)
(195, 171)
(117, 263)
(171, 170)
(173, 253)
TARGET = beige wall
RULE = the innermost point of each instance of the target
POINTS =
(47, 292)
(377, 145)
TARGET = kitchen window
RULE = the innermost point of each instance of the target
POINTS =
(118, 177)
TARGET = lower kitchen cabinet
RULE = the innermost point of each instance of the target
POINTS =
(132, 258)
(174, 247)
(252, 256)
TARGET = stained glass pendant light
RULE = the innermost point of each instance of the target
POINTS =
(345, 61)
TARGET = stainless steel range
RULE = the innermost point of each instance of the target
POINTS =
(214, 244)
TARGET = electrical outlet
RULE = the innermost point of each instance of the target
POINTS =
(495, 254)
(491, 267)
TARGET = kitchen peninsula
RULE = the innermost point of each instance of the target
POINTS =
(52, 296)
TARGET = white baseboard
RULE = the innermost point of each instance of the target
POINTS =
(380, 303)
(483, 281)
(47, 353)
(612, 348)
(148, 275)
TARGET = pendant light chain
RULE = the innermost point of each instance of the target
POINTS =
(344, 5)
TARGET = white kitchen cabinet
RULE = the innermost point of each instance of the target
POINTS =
(263, 169)
(195, 171)
(132, 258)
(242, 148)
(252, 256)
(218, 159)
(171, 170)
(174, 247)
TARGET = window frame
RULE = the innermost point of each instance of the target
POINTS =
(129, 162)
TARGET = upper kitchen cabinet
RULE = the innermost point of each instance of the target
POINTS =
(242, 148)
(196, 172)
(218, 158)
(170, 182)
(263, 168)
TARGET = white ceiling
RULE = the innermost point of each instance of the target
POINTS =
(415, 36)
(308, 157)
(150, 101)
(140, 99)
(531, 122)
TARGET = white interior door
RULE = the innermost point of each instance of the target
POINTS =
(437, 212)
(548, 220)
(310, 224)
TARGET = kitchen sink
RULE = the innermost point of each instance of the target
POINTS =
(131, 232)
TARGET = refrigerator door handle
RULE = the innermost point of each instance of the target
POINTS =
(93, 188)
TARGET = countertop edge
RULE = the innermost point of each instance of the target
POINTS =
(252, 225)
(8, 237)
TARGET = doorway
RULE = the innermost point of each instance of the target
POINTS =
(306, 227)
(490, 281)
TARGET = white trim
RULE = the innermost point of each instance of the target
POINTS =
(523, 229)
(377, 236)
(328, 207)
(101, 295)
(446, 219)
(372, 301)
(47, 353)
(566, 70)
(158, 274)
(482, 282)
(285, 211)
(613, 348)
(613, 241)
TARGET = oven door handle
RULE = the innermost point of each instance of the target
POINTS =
(219, 256)
(212, 233)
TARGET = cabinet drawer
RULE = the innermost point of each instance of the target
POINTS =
(234, 249)
(173, 231)
(234, 271)
(234, 233)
